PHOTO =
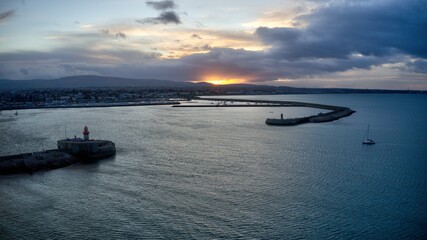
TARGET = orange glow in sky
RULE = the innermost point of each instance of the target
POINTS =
(222, 80)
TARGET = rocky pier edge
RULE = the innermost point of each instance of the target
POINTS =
(36, 161)
(320, 118)
(42, 161)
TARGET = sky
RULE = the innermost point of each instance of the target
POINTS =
(314, 43)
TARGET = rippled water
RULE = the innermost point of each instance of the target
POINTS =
(222, 173)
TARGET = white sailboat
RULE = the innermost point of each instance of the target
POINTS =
(368, 141)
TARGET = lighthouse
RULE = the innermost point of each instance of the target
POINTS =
(86, 133)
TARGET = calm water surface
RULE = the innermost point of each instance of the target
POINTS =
(206, 173)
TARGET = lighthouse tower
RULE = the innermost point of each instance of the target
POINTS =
(86, 133)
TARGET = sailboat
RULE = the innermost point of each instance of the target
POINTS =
(16, 113)
(368, 141)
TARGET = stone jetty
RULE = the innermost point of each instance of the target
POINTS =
(319, 118)
(70, 151)
(37, 161)
(336, 112)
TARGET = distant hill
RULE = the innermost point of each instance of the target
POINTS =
(92, 81)
(261, 89)
(89, 81)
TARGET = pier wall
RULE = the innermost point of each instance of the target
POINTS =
(31, 162)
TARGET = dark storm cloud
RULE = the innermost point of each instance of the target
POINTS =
(161, 5)
(337, 31)
(6, 15)
(164, 18)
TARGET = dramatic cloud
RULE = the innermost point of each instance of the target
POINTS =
(338, 31)
(163, 18)
(161, 5)
(337, 38)
(6, 15)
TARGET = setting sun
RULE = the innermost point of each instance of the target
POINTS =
(223, 81)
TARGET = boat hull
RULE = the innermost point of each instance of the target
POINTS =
(368, 142)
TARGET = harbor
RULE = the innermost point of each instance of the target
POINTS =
(77, 150)
(212, 165)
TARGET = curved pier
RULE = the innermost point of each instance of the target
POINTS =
(336, 113)
(321, 117)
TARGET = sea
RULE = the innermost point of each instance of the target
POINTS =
(222, 173)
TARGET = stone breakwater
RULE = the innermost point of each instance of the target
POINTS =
(57, 158)
(336, 113)
(321, 117)
(37, 161)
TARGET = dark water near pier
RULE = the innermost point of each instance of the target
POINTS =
(222, 173)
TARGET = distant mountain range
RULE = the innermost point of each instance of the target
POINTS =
(89, 81)
(92, 81)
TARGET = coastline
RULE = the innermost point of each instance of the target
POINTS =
(100, 105)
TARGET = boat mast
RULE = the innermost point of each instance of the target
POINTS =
(368, 132)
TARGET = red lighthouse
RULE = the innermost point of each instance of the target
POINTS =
(86, 133)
